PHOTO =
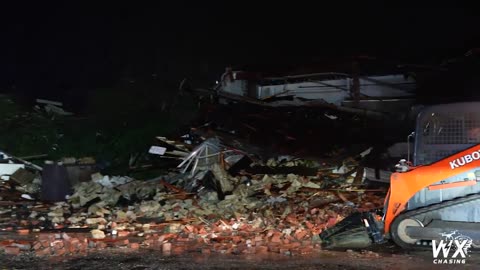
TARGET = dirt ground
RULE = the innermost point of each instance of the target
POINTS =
(148, 259)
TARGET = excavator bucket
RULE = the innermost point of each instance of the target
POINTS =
(359, 230)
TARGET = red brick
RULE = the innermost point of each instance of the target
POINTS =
(202, 231)
(70, 244)
(6, 242)
(46, 237)
(74, 241)
(58, 244)
(261, 249)
(101, 245)
(189, 228)
(309, 225)
(217, 246)
(178, 249)
(45, 243)
(37, 245)
(82, 239)
(74, 247)
(331, 222)
(12, 250)
(206, 251)
(306, 250)
(274, 248)
(123, 242)
(23, 231)
(183, 239)
(236, 239)
(123, 233)
(259, 243)
(192, 247)
(306, 242)
(276, 238)
(82, 247)
(60, 252)
(161, 238)
(300, 234)
(227, 251)
(166, 248)
(134, 245)
(71, 248)
(149, 242)
(251, 250)
(292, 219)
(291, 245)
(241, 247)
(157, 244)
(43, 252)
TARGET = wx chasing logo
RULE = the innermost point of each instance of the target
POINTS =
(454, 247)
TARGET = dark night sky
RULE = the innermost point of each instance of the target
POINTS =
(54, 46)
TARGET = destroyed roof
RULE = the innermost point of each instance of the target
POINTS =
(367, 66)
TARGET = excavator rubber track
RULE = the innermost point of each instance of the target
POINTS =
(426, 217)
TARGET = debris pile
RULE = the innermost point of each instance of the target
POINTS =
(51, 107)
(214, 201)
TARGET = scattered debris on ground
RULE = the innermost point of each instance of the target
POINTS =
(51, 107)
(212, 201)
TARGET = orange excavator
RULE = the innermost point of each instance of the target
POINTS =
(433, 196)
